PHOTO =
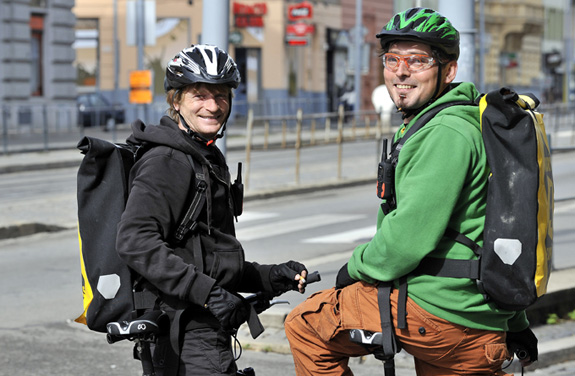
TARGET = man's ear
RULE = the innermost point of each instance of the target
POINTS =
(450, 72)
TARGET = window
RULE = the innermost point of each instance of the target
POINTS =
(87, 57)
(37, 35)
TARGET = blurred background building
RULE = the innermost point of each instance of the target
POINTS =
(292, 54)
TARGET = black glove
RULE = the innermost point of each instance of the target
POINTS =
(525, 340)
(343, 279)
(282, 276)
(230, 310)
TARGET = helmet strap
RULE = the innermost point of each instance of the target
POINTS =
(196, 134)
(199, 136)
(436, 94)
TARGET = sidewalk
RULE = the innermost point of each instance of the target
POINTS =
(556, 342)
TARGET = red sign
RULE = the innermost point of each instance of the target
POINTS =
(299, 29)
(300, 11)
(298, 34)
(258, 9)
(297, 42)
(246, 20)
(249, 15)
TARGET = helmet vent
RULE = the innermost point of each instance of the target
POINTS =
(210, 59)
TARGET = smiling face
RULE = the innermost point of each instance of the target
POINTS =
(411, 90)
(205, 108)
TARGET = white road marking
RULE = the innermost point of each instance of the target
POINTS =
(322, 260)
(292, 225)
(248, 216)
(351, 236)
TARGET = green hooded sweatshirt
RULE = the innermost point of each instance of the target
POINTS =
(440, 181)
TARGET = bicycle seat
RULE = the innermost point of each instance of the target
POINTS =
(371, 340)
(144, 326)
(364, 337)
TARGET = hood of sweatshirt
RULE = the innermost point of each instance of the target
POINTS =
(168, 133)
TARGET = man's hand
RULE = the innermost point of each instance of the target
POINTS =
(288, 276)
(343, 279)
(230, 310)
(524, 343)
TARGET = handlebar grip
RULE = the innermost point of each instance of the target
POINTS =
(313, 277)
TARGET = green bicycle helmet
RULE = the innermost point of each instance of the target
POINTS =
(423, 25)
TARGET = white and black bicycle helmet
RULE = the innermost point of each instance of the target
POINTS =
(201, 63)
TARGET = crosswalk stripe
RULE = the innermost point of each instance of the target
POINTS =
(248, 216)
(291, 225)
(325, 259)
(564, 207)
(351, 236)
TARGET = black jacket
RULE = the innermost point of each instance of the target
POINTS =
(162, 187)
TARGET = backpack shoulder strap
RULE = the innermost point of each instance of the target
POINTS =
(424, 119)
(201, 195)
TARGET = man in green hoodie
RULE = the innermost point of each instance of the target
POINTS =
(440, 182)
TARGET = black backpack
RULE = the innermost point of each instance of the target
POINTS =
(112, 292)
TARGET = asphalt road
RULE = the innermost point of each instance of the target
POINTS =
(40, 287)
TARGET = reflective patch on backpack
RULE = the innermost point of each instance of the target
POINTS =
(508, 250)
(109, 285)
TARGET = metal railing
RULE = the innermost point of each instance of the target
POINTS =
(25, 127)
(307, 130)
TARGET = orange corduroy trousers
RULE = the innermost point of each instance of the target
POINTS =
(318, 333)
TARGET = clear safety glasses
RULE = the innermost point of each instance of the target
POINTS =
(414, 62)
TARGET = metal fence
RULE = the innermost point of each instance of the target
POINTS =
(26, 127)
(560, 125)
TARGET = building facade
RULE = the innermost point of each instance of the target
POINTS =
(36, 53)
(290, 53)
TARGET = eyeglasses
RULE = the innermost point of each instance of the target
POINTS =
(414, 62)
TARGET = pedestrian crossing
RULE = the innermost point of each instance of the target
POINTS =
(354, 236)
(273, 226)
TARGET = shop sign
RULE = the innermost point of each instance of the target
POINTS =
(300, 11)
(298, 34)
(299, 29)
(249, 15)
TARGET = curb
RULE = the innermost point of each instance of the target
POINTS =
(26, 229)
(38, 166)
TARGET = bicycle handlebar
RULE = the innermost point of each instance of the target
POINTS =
(262, 301)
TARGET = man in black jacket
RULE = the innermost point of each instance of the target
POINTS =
(197, 278)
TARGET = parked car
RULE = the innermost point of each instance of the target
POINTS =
(94, 109)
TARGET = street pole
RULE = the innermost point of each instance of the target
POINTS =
(140, 41)
(215, 30)
(568, 58)
(140, 36)
(116, 52)
(116, 65)
(461, 15)
(358, 59)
